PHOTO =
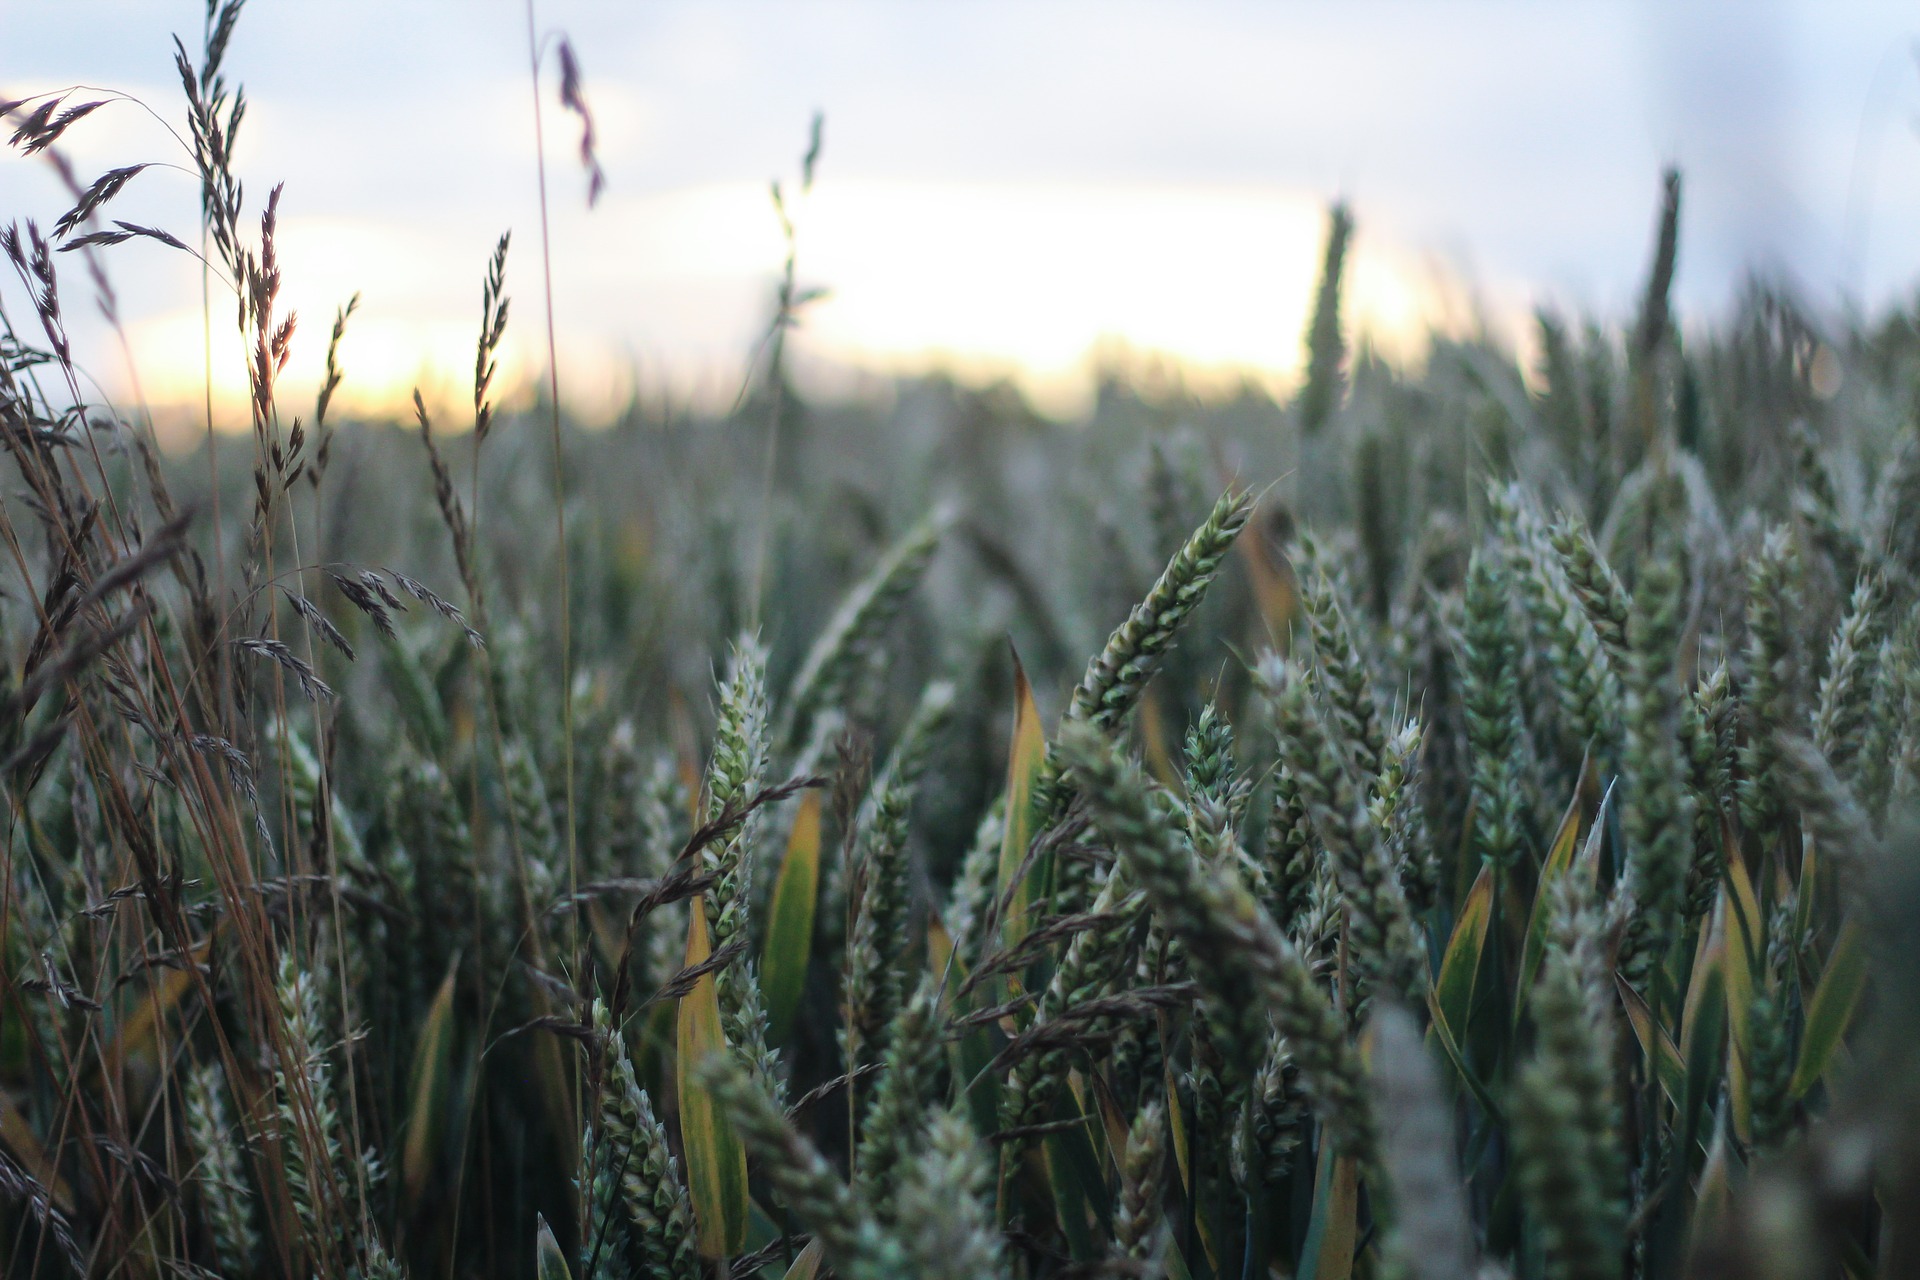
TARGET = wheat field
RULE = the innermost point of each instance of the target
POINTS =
(1451, 822)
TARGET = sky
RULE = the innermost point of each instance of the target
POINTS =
(1006, 188)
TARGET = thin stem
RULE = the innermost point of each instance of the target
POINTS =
(559, 521)
(559, 467)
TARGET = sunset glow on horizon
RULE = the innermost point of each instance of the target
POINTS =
(1007, 190)
(982, 281)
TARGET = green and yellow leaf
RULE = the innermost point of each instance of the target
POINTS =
(789, 947)
(1831, 1010)
(1026, 758)
(716, 1160)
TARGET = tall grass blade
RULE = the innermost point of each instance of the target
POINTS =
(1026, 760)
(716, 1160)
(1831, 1010)
(789, 946)
(429, 1090)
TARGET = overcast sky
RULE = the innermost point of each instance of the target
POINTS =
(1004, 185)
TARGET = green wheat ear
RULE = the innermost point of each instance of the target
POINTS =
(225, 1195)
(1346, 678)
(1657, 809)
(1325, 346)
(1114, 680)
(1846, 687)
(878, 943)
(1118, 675)
(1594, 583)
(1490, 664)
(1709, 728)
(1268, 1131)
(641, 1198)
(851, 636)
(1250, 971)
(808, 1186)
(1397, 811)
(1586, 686)
(1771, 699)
(1568, 1155)
(1139, 1220)
(1094, 963)
(902, 1101)
(1771, 1019)
(1388, 953)
(735, 774)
